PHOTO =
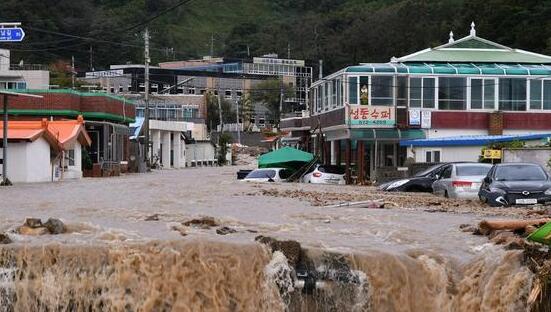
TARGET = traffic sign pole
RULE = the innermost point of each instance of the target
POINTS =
(9, 32)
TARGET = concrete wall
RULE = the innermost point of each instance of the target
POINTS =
(29, 161)
(75, 172)
(200, 153)
(447, 154)
(36, 79)
(533, 155)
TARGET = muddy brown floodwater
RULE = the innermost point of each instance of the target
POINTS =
(131, 246)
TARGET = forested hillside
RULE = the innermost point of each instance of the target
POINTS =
(341, 32)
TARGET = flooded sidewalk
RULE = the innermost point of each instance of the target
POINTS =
(185, 240)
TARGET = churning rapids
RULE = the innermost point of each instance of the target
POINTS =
(349, 259)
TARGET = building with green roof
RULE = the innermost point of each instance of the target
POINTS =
(470, 86)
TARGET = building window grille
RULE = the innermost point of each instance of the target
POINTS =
(452, 93)
(364, 90)
(512, 94)
(483, 93)
(381, 90)
(421, 92)
(432, 156)
(540, 94)
(401, 91)
(352, 90)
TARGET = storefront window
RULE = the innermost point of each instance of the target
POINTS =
(381, 90)
(352, 90)
(512, 94)
(452, 93)
(364, 90)
(421, 92)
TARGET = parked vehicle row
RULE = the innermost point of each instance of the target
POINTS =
(317, 174)
(497, 185)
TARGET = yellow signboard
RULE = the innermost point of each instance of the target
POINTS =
(491, 154)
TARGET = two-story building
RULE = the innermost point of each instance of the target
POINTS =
(376, 115)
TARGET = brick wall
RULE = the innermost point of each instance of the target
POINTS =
(74, 102)
(495, 123)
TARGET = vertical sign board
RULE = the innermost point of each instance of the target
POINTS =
(371, 116)
(426, 119)
(415, 117)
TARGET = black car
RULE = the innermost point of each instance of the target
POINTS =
(515, 184)
(420, 182)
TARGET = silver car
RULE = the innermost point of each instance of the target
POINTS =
(460, 180)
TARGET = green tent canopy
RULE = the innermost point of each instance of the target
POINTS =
(286, 157)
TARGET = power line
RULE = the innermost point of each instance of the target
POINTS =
(163, 12)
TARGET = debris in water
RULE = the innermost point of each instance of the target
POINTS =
(225, 230)
(33, 222)
(55, 226)
(35, 227)
(27, 230)
(508, 239)
(154, 217)
(204, 223)
(487, 226)
(291, 249)
(468, 228)
(361, 204)
(179, 229)
(4, 239)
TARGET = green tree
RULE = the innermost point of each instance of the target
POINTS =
(268, 93)
(213, 112)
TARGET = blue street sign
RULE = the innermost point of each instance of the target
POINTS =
(15, 34)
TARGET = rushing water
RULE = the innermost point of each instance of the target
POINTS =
(354, 259)
(214, 276)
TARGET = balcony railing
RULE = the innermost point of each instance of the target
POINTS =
(28, 67)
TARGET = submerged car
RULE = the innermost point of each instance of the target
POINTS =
(420, 182)
(516, 184)
(268, 175)
(460, 180)
(325, 174)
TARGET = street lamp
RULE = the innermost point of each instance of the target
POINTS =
(5, 95)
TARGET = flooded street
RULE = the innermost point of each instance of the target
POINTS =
(115, 210)
(128, 249)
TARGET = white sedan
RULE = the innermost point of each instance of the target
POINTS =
(268, 175)
(325, 174)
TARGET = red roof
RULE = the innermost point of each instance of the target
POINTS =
(60, 134)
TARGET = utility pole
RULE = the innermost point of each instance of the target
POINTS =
(220, 107)
(146, 99)
(212, 45)
(5, 95)
(91, 58)
(73, 71)
(5, 180)
(288, 50)
(237, 118)
(280, 101)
